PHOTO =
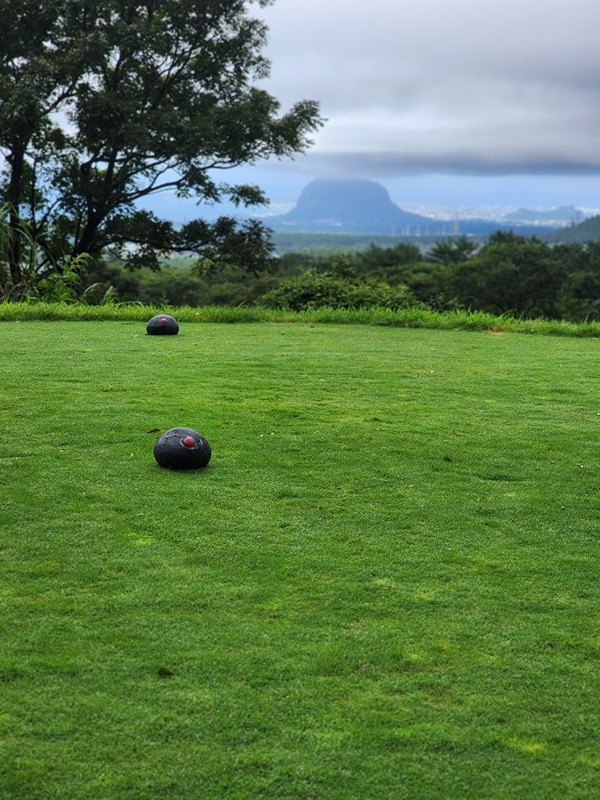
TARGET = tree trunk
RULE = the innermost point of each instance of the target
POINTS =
(14, 192)
(85, 242)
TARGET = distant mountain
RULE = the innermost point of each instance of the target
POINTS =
(353, 206)
(363, 207)
(586, 231)
(565, 215)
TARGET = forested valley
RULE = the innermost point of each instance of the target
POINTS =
(508, 274)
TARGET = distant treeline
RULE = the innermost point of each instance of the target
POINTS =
(509, 274)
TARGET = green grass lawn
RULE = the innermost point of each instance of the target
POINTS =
(383, 587)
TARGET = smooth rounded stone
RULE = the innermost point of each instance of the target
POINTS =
(182, 448)
(162, 325)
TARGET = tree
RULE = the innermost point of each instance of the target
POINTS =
(452, 251)
(105, 102)
(579, 296)
(379, 259)
(511, 275)
(36, 77)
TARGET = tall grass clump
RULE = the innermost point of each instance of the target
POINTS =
(400, 318)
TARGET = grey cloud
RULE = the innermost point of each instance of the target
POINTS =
(386, 164)
(468, 85)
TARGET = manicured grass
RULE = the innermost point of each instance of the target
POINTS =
(384, 585)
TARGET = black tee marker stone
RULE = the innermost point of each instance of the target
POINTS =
(162, 325)
(182, 448)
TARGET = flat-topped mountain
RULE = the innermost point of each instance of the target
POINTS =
(357, 206)
(364, 207)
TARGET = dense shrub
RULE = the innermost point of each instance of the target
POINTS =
(315, 289)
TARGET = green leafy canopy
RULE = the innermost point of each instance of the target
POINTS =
(104, 103)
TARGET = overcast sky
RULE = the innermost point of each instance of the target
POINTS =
(471, 93)
(450, 102)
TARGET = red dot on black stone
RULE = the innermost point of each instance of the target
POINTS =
(182, 448)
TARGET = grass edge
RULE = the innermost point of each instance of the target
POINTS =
(407, 318)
